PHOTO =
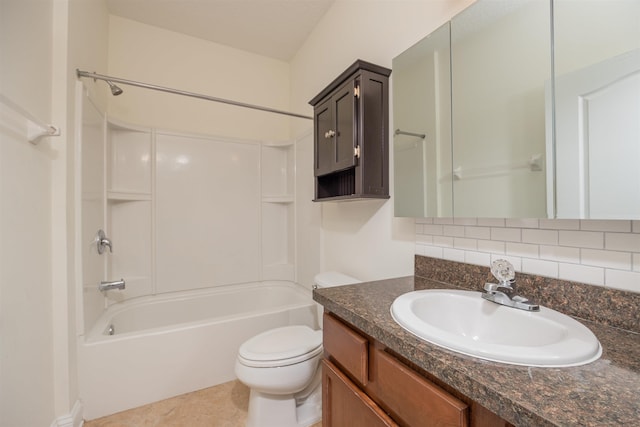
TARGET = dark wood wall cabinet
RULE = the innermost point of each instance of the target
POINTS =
(351, 135)
(363, 385)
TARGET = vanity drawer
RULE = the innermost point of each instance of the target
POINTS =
(347, 348)
(414, 399)
(344, 404)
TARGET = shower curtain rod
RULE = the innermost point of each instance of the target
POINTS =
(95, 76)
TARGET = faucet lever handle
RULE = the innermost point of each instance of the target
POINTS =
(102, 241)
(491, 287)
(106, 242)
(507, 284)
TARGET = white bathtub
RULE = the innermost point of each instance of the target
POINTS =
(171, 344)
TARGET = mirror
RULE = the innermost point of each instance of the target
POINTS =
(422, 123)
(500, 62)
(597, 110)
(475, 88)
(509, 127)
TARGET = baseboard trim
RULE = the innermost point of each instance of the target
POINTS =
(73, 419)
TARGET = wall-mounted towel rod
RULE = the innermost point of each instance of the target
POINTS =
(95, 76)
(401, 132)
(35, 129)
(534, 164)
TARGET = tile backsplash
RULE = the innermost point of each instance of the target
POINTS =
(596, 252)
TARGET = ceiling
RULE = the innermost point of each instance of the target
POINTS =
(272, 28)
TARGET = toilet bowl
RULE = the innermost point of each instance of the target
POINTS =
(282, 369)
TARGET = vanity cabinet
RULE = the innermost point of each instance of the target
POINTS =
(351, 135)
(366, 384)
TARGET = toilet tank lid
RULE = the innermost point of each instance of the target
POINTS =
(333, 278)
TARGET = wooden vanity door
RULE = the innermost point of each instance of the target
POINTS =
(344, 404)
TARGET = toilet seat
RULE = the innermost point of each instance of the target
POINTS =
(281, 347)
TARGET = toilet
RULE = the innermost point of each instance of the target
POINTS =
(282, 369)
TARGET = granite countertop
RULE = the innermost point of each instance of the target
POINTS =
(604, 392)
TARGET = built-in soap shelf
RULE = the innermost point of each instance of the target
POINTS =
(129, 206)
(283, 199)
(278, 144)
(277, 184)
(127, 196)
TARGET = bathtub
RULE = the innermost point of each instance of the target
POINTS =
(170, 344)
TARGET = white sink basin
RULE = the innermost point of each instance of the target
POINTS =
(464, 322)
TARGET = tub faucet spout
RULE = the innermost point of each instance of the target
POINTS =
(106, 286)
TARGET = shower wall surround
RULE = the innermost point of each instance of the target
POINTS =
(191, 211)
(602, 253)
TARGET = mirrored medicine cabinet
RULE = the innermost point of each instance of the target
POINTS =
(521, 109)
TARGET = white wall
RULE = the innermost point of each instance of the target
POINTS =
(152, 55)
(41, 43)
(361, 238)
(26, 346)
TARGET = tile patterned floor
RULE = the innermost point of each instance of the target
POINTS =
(224, 405)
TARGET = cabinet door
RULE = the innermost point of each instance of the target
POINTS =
(343, 404)
(346, 137)
(336, 131)
(323, 120)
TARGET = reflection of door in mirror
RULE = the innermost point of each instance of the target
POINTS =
(422, 137)
(500, 61)
(598, 140)
(597, 108)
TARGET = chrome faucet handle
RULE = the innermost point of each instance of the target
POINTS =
(507, 284)
(491, 287)
(102, 241)
(505, 273)
(494, 287)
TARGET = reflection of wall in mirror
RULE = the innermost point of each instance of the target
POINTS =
(420, 96)
(498, 74)
(412, 94)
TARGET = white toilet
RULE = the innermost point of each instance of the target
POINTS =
(282, 368)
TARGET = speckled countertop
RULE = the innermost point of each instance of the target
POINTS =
(605, 392)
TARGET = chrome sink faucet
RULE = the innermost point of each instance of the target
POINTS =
(505, 273)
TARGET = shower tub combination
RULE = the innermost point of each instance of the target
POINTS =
(170, 344)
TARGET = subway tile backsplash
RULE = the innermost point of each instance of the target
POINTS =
(596, 252)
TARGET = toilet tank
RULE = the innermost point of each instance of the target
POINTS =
(329, 279)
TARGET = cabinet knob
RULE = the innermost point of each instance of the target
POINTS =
(329, 134)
